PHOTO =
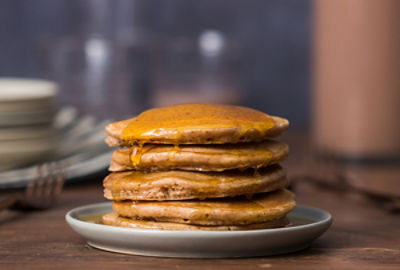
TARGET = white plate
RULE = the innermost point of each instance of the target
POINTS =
(26, 118)
(27, 146)
(200, 244)
(26, 101)
(23, 89)
(26, 132)
(80, 148)
(75, 171)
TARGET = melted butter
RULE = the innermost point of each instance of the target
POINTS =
(97, 218)
(170, 122)
(136, 153)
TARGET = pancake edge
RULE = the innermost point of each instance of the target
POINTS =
(113, 219)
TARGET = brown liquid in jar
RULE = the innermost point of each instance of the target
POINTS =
(357, 77)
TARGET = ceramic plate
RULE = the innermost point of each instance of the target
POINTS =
(26, 118)
(18, 89)
(76, 171)
(80, 148)
(308, 224)
(26, 101)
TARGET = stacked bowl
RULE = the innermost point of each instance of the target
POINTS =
(27, 110)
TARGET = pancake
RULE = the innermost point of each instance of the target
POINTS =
(213, 212)
(182, 185)
(114, 220)
(195, 124)
(152, 157)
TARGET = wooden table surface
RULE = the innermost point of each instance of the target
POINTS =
(362, 236)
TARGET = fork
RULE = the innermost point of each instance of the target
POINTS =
(42, 191)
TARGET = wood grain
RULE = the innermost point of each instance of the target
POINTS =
(362, 237)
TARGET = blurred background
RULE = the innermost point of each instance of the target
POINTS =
(117, 58)
(331, 67)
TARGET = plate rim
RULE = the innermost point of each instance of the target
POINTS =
(75, 171)
(72, 220)
(47, 89)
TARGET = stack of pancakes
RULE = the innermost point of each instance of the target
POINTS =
(198, 167)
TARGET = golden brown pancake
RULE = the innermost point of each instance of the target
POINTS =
(217, 157)
(195, 124)
(261, 208)
(182, 185)
(114, 220)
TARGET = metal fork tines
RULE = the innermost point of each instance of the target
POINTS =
(43, 191)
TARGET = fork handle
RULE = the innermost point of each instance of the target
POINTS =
(7, 202)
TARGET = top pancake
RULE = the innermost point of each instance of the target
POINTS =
(196, 124)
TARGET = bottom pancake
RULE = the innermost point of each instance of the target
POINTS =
(261, 208)
(114, 220)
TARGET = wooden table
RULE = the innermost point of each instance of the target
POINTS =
(362, 237)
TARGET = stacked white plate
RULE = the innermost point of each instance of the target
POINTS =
(27, 111)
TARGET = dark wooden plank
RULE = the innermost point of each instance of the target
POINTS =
(362, 237)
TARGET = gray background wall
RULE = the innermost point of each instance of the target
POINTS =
(274, 37)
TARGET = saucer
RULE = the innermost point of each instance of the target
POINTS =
(308, 224)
